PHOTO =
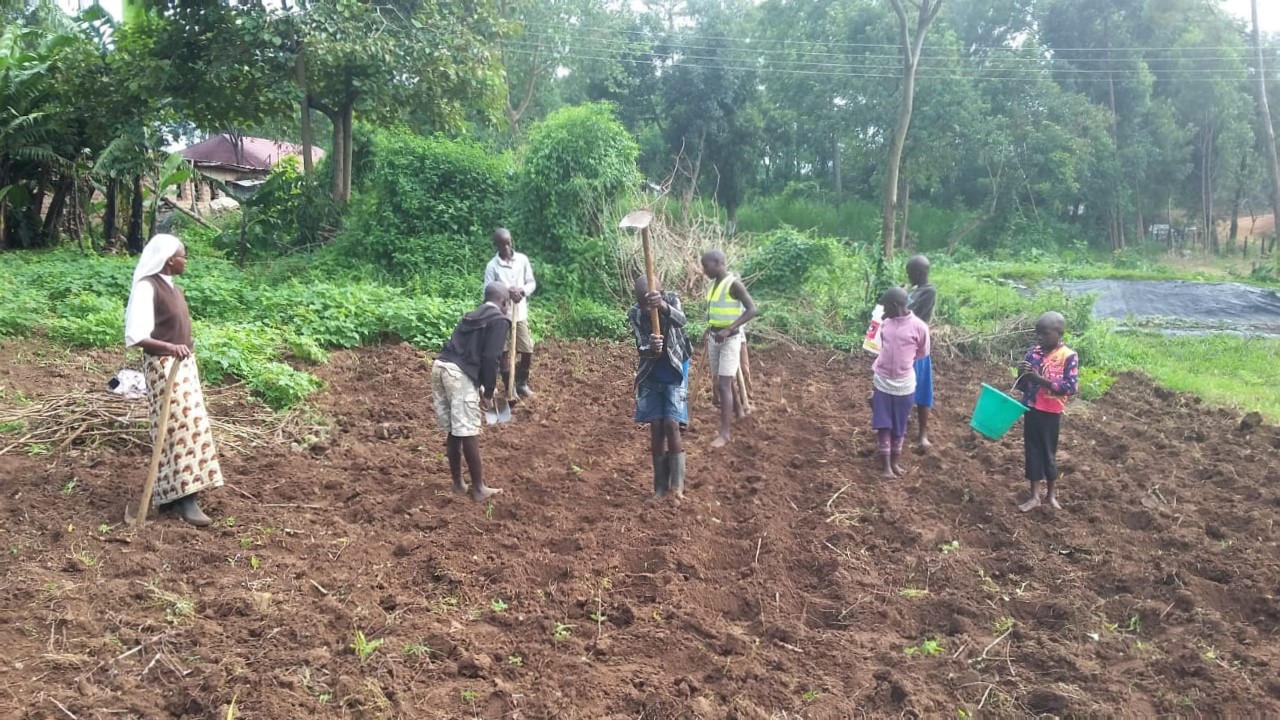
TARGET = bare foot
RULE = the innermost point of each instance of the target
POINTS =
(720, 442)
(458, 487)
(1030, 505)
(898, 471)
(1053, 502)
(888, 474)
(484, 493)
(924, 442)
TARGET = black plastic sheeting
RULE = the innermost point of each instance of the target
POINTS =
(1210, 306)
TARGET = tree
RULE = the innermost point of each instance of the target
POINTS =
(708, 95)
(577, 163)
(430, 61)
(1264, 116)
(911, 44)
(25, 62)
(223, 69)
(555, 37)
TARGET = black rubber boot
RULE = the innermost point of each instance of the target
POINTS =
(189, 510)
(675, 473)
(661, 475)
(522, 375)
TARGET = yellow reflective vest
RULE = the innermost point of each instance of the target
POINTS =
(722, 308)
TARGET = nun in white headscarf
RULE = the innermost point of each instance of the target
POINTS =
(158, 321)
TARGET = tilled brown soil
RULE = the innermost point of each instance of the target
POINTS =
(792, 582)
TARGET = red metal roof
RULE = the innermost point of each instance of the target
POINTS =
(259, 153)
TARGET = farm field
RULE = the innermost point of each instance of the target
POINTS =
(343, 580)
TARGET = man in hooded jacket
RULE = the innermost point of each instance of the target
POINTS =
(463, 378)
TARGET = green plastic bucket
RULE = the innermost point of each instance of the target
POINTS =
(995, 413)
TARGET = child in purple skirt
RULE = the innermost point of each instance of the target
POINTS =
(904, 339)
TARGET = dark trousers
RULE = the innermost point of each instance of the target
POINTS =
(1040, 435)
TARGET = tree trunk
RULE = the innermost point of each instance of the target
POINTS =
(244, 237)
(1142, 222)
(348, 147)
(1211, 232)
(911, 46)
(49, 231)
(109, 214)
(1264, 117)
(835, 164)
(1204, 180)
(236, 136)
(687, 200)
(954, 241)
(906, 211)
(1117, 212)
(133, 240)
(338, 156)
(308, 136)
(1237, 198)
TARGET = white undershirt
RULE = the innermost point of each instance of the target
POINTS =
(140, 315)
(898, 387)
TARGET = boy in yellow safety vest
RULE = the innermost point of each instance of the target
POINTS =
(729, 308)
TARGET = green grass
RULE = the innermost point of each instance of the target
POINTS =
(1224, 370)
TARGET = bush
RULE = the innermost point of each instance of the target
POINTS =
(281, 386)
(249, 351)
(785, 259)
(341, 315)
(587, 319)
(89, 321)
(424, 322)
(577, 164)
(290, 210)
(23, 307)
(427, 204)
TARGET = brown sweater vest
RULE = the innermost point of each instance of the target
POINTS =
(173, 319)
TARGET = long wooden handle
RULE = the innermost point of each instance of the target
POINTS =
(511, 370)
(652, 277)
(144, 505)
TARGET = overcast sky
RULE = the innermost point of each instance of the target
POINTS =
(1268, 10)
(1268, 13)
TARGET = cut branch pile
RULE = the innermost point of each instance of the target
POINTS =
(1007, 340)
(83, 420)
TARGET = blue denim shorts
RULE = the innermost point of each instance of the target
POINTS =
(658, 401)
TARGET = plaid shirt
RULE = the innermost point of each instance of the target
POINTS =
(675, 344)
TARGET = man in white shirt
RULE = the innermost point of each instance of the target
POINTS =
(513, 270)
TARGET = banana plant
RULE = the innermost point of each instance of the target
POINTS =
(171, 173)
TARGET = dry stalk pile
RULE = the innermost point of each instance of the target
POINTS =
(1006, 341)
(57, 423)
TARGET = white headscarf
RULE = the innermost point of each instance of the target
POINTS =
(155, 255)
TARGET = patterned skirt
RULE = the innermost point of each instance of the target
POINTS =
(189, 462)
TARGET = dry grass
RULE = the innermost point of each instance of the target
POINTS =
(92, 420)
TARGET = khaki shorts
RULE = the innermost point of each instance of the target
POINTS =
(524, 339)
(724, 357)
(457, 400)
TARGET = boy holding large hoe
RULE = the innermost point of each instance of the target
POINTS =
(661, 382)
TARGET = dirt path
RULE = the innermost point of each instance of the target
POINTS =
(789, 584)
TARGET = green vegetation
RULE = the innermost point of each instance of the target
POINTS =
(927, 648)
(385, 238)
(363, 647)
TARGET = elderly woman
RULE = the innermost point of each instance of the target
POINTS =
(157, 320)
